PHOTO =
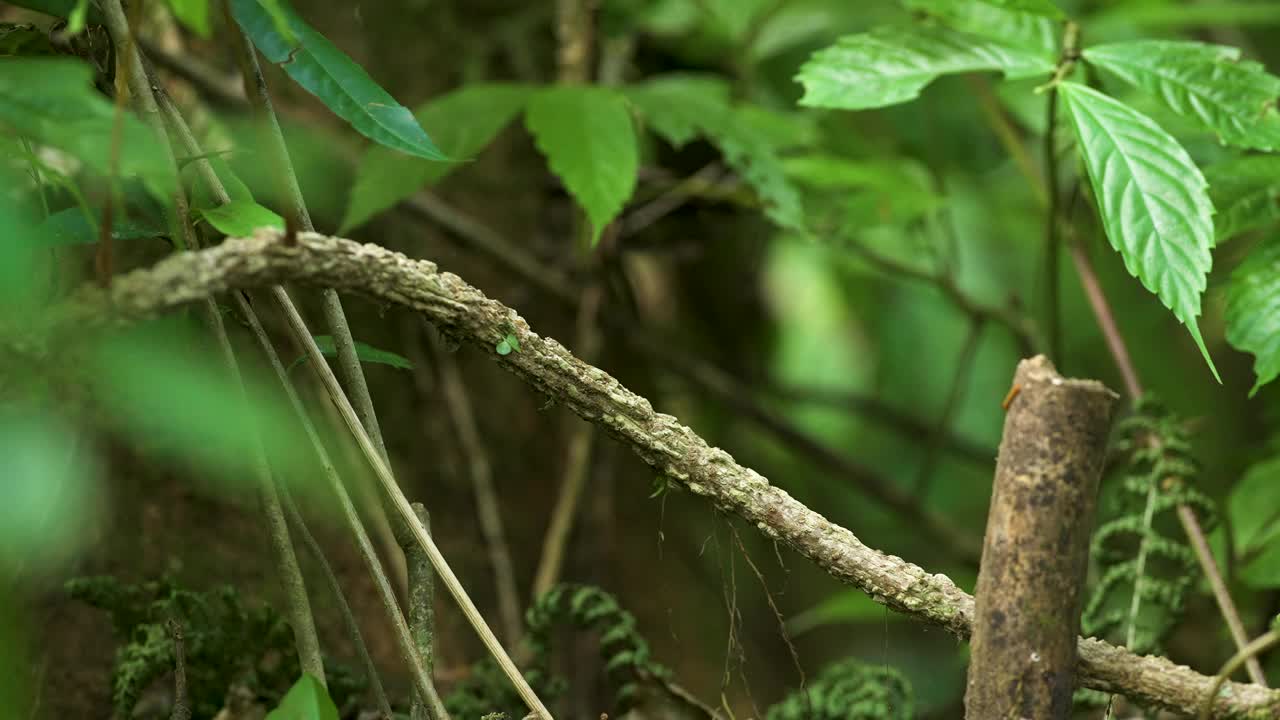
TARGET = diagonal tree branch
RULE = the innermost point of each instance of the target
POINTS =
(660, 440)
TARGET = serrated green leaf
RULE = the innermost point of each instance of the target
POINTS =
(52, 101)
(326, 72)
(1207, 84)
(71, 227)
(1128, 16)
(1152, 198)
(681, 107)
(1245, 193)
(891, 65)
(239, 218)
(192, 13)
(1253, 310)
(465, 121)
(306, 700)
(589, 142)
(1033, 31)
(364, 351)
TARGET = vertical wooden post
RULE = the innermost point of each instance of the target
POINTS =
(1036, 547)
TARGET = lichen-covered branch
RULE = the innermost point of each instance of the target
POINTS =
(660, 440)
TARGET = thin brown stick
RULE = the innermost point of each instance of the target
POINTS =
(659, 440)
(340, 599)
(1186, 515)
(488, 509)
(1249, 652)
(181, 697)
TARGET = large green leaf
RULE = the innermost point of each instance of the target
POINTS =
(192, 13)
(1007, 25)
(682, 107)
(325, 71)
(1245, 192)
(239, 218)
(1208, 84)
(306, 700)
(891, 65)
(50, 489)
(52, 101)
(465, 121)
(156, 386)
(1253, 309)
(1124, 17)
(1255, 522)
(588, 139)
(1153, 200)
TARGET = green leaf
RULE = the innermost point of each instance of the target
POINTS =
(306, 700)
(76, 19)
(681, 107)
(1246, 194)
(843, 607)
(1255, 521)
(891, 65)
(1128, 16)
(1253, 310)
(50, 489)
(503, 347)
(1034, 31)
(192, 13)
(872, 192)
(239, 218)
(587, 137)
(366, 353)
(325, 71)
(466, 120)
(1152, 198)
(171, 395)
(71, 227)
(52, 101)
(1207, 84)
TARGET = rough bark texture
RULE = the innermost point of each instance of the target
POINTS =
(1037, 542)
(660, 440)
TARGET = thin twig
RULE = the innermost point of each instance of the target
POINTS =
(290, 576)
(340, 598)
(422, 682)
(422, 622)
(181, 698)
(488, 509)
(960, 379)
(1249, 652)
(355, 385)
(1186, 515)
(1053, 240)
(658, 439)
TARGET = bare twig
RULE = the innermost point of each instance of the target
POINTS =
(298, 217)
(1251, 651)
(671, 448)
(290, 576)
(422, 625)
(339, 597)
(421, 680)
(476, 457)
(1186, 515)
(181, 698)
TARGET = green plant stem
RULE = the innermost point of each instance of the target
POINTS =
(422, 619)
(299, 608)
(938, 433)
(1249, 652)
(357, 388)
(344, 608)
(1053, 243)
(422, 682)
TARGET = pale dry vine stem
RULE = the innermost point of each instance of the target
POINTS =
(660, 440)
(298, 606)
